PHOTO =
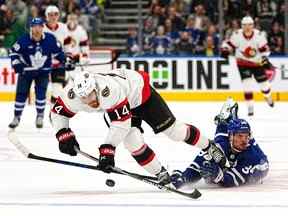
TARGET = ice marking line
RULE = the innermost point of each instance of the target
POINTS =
(141, 205)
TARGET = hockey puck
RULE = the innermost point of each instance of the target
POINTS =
(110, 182)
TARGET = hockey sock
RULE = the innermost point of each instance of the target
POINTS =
(146, 158)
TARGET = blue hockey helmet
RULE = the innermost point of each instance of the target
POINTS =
(36, 21)
(238, 126)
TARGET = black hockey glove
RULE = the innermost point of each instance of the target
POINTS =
(265, 63)
(225, 53)
(69, 63)
(67, 141)
(106, 159)
(211, 172)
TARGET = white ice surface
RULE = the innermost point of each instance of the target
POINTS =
(31, 187)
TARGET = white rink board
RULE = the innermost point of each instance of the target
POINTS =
(30, 187)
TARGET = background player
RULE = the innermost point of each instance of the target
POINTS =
(31, 58)
(59, 30)
(251, 52)
(248, 163)
(127, 97)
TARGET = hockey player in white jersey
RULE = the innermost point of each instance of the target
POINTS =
(251, 52)
(59, 30)
(78, 47)
(127, 98)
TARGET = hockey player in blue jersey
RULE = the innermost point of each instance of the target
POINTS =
(31, 59)
(248, 163)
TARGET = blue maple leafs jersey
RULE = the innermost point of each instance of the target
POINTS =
(36, 55)
(248, 166)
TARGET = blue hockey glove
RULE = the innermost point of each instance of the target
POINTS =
(19, 68)
(176, 179)
(211, 172)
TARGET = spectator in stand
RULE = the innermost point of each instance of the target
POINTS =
(89, 10)
(70, 6)
(184, 45)
(280, 17)
(161, 44)
(233, 26)
(156, 17)
(197, 35)
(148, 34)
(278, 49)
(212, 32)
(178, 24)
(132, 42)
(43, 4)
(174, 35)
(14, 28)
(19, 8)
(276, 38)
(181, 6)
(201, 20)
(266, 9)
(211, 49)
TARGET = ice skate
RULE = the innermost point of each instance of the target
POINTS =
(15, 122)
(39, 121)
(269, 101)
(250, 110)
(163, 177)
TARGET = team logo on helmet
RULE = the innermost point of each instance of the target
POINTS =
(71, 94)
(105, 92)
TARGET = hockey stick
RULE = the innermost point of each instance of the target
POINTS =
(16, 142)
(194, 195)
(115, 56)
(97, 160)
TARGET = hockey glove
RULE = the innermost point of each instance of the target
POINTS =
(211, 172)
(177, 179)
(216, 153)
(70, 63)
(265, 63)
(67, 141)
(106, 159)
(225, 53)
(19, 68)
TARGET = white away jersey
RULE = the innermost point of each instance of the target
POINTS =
(60, 32)
(79, 41)
(119, 91)
(249, 50)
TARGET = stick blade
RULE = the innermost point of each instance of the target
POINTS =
(195, 194)
(13, 138)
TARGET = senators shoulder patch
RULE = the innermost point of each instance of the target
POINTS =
(71, 94)
(105, 92)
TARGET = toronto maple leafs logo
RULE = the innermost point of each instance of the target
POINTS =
(38, 60)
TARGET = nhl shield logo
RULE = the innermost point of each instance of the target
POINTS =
(71, 94)
(105, 92)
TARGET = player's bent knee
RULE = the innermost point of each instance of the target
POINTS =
(134, 140)
(177, 131)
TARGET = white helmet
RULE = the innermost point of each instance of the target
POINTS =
(84, 84)
(247, 20)
(51, 9)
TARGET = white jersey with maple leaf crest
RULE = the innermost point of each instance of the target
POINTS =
(248, 50)
(119, 91)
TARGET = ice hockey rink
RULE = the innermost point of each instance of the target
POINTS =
(32, 187)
